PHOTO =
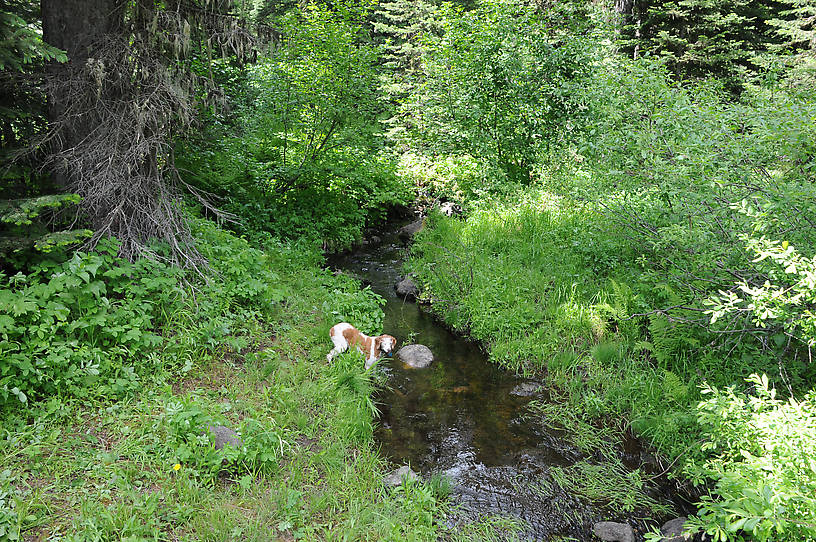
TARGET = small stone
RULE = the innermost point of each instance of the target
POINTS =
(526, 389)
(375, 240)
(673, 531)
(611, 531)
(406, 288)
(409, 230)
(223, 435)
(395, 478)
(416, 356)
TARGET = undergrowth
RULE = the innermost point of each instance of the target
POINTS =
(108, 440)
(662, 254)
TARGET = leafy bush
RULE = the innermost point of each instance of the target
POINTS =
(460, 178)
(306, 157)
(501, 85)
(96, 324)
(760, 456)
(9, 519)
(624, 275)
(22, 227)
(68, 327)
(190, 444)
(787, 303)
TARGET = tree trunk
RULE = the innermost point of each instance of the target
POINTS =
(76, 26)
(624, 7)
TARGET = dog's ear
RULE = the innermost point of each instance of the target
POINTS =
(378, 342)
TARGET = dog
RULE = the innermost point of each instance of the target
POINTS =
(344, 335)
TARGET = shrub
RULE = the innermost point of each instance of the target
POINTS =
(501, 85)
(97, 324)
(760, 454)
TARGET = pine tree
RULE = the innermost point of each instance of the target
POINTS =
(701, 38)
(796, 51)
(400, 27)
(796, 24)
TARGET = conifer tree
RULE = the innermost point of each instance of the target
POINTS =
(399, 26)
(700, 38)
(796, 28)
(796, 24)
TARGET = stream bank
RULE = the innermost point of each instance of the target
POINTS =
(470, 421)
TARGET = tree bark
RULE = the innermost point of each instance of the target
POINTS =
(76, 26)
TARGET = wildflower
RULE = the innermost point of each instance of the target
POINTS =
(177, 466)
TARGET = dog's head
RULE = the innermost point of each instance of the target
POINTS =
(386, 344)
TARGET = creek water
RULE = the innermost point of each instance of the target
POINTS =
(465, 418)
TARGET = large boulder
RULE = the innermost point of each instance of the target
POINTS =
(611, 531)
(223, 436)
(406, 288)
(409, 230)
(416, 356)
(396, 478)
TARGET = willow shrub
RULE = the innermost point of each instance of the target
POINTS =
(760, 454)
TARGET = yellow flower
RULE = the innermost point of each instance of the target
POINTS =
(177, 466)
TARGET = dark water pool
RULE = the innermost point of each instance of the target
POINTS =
(463, 417)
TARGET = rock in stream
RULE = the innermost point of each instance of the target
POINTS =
(416, 356)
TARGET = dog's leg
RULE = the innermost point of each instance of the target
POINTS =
(371, 359)
(340, 346)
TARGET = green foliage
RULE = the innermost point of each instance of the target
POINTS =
(623, 276)
(760, 455)
(419, 503)
(190, 443)
(690, 179)
(21, 212)
(703, 38)
(401, 26)
(22, 50)
(307, 158)
(22, 232)
(9, 519)
(500, 85)
(308, 467)
(90, 325)
(64, 334)
(460, 178)
(315, 93)
(362, 309)
(21, 43)
(486, 277)
(61, 239)
(609, 483)
(785, 304)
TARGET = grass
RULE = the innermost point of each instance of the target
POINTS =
(141, 468)
(547, 288)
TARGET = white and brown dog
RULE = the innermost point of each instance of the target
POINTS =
(344, 335)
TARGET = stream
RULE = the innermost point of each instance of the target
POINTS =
(464, 418)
